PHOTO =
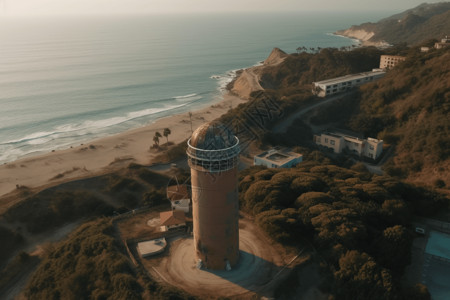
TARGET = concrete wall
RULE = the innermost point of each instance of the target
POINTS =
(333, 142)
(390, 61)
(373, 148)
(293, 162)
(215, 208)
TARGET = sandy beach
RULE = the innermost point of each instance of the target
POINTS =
(105, 154)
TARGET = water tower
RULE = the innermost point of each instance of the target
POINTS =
(213, 155)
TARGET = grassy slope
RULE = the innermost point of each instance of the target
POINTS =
(412, 104)
(409, 107)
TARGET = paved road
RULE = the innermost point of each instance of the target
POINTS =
(283, 125)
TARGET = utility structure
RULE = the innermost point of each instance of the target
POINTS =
(213, 156)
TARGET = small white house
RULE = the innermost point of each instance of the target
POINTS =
(179, 197)
(278, 158)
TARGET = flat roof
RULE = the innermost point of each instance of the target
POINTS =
(349, 77)
(332, 134)
(344, 135)
(280, 157)
(151, 247)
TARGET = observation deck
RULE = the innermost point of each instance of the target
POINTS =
(213, 148)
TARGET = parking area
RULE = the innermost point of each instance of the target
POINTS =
(436, 276)
(436, 265)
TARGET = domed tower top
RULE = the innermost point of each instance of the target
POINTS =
(212, 136)
(213, 147)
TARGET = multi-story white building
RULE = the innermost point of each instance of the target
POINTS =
(445, 42)
(371, 148)
(341, 84)
(390, 61)
(278, 158)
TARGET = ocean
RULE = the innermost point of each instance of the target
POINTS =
(65, 81)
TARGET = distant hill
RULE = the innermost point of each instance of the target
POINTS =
(424, 22)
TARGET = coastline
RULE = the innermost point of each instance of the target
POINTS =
(362, 37)
(106, 154)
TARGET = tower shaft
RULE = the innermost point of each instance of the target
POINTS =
(216, 218)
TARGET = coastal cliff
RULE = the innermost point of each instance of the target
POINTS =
(363, 35)
(248, 80)
(424, 22)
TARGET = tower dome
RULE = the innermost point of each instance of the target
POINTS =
(212, 136)
(213, 147)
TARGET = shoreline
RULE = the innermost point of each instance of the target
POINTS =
(106, 154)
(362, 38)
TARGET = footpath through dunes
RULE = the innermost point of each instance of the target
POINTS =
(248, 80)
(261, 268)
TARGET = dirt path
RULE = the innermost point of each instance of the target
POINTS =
(257, 272)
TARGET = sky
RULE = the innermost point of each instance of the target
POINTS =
(75, 7)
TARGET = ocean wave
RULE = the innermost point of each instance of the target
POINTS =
(185, 96)
(224, 79)
(86, 127)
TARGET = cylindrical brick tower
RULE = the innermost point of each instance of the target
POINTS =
(213, 155)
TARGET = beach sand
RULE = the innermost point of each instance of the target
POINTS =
(106, 154)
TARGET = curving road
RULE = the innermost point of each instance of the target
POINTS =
(284, 124)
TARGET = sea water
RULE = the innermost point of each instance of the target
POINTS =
(65, 81)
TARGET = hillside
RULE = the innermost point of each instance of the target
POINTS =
(410, 107)
(358, 222)
(413, 26)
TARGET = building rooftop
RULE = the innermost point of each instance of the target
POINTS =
(151, 247)
(279, 156)
(177, 192)
(349, 77)
(173, 217)
(212, 136)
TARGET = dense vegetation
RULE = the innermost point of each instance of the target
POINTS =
(287, 87)
(408, 108)
(412, 26)
(10, 240)
(357, 221)
(299, 70)
(91, 264)
(133, 187)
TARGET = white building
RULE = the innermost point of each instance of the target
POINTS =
(179, 198)
(390, 61)
(371, 148)
(152, 247)
(341, 84)
(445, 42)
(278, 158)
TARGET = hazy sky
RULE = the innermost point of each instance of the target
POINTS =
(59, 7)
